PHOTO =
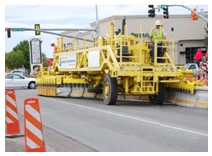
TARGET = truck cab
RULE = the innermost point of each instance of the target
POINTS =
(194, 66)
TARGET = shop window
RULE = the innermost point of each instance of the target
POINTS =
(190, 52)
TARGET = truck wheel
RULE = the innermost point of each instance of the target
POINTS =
(110, 90)
(159, 98)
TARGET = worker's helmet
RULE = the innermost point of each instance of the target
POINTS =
(157, 22)
(51, 43)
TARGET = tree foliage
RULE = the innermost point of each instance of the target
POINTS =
(20, 56)
(14, 59)
(206, 37)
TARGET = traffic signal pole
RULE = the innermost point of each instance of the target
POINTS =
(58, 34)
(199, 15)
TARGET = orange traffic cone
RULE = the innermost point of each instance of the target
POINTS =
(33, 130)
(11, 115)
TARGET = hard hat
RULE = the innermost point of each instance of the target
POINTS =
(51, 43)
(157, 23)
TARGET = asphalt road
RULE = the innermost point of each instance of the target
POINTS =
(87, 125)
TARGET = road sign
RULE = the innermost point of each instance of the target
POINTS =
(202, 12)
(163, 6)
(17, 29)
(158, 8)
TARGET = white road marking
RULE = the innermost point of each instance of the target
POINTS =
(126, 116)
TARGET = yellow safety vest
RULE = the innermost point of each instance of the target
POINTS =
(157, 36)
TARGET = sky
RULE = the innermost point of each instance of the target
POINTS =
(67, 16)
(71, 14)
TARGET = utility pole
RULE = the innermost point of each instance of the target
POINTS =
(97, 24)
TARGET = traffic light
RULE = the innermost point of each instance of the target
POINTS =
(166, 12)
(151, 11)
(37, 27)
(193, 15)
(8, 33)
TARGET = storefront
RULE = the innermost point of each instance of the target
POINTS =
(188, 35)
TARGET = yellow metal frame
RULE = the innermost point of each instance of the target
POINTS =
(132, 67)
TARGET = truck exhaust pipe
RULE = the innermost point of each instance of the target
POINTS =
(123, 24)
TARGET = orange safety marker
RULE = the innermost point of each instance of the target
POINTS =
(33, 129)
(12, 120)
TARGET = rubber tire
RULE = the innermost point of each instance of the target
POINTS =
(113, 90)
(29, 86)
(160, 97)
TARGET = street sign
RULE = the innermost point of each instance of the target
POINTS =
(163, 6)
(17, 29)
(202, 12)
(158, 8)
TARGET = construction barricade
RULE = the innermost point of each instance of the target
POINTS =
(33, 130)
(11, 115)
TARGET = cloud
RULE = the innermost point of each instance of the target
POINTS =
(46, 25)
(49, 13)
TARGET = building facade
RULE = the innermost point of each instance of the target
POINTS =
(188, 35)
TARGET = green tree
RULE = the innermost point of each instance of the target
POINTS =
(24, 47)
(44, 59)
(14, 59)
(20, 56)
(206, 37)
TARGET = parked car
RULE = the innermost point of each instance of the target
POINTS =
(17, 72)
(13, 80)
(22, 70)
(193, 66)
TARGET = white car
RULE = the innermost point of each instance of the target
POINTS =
(18, 81)
(17, 72)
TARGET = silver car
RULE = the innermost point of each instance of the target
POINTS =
(17, 72)
(13, 80)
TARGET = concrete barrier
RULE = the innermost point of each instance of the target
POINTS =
(183, 98)
(202, 97)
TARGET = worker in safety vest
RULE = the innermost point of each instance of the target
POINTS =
(157, 33)
(55, 47)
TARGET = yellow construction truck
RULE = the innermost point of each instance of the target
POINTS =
(114, 67)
